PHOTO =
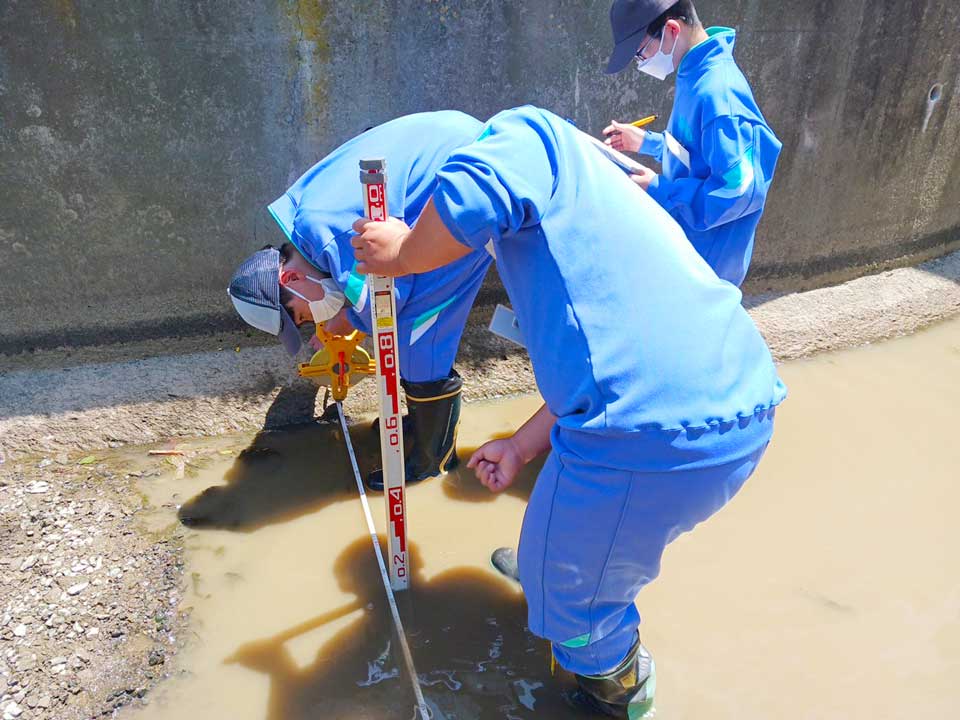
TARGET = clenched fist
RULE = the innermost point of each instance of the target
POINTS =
(377, 244)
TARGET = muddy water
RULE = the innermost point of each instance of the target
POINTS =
(827, 589)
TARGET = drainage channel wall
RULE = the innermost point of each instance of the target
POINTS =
(140, 142)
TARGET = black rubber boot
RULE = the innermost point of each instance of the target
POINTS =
(505, 561)
(434, 412)
(407, 430)
(624, 692)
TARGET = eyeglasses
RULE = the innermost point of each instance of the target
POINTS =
(658, 35)
(639, 53)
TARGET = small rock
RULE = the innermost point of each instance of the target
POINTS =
(156, 657)
(28, 563)
(77, 589)
(12, 710)
(20, 630)
(87, 678)
(44, 701)
(38, 487)
(93, 632)
(83, 655)
(58, 661)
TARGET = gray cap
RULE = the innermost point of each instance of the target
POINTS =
(255, 292)
(629, 20)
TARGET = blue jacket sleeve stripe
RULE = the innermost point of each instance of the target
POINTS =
(738, 179)
(733, 190)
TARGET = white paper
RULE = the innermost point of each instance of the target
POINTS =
(504, 324)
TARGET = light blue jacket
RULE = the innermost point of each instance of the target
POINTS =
(718, 166)
(318, 211)
(646, 357)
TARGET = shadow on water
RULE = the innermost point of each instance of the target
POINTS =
(282, 475)
(462, 485)
(467, 630)
(289, 472)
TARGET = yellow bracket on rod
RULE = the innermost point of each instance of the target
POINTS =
(340, 364)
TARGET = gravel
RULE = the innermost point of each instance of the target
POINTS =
(89, 602)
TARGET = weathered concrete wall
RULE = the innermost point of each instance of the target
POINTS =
(139, 142)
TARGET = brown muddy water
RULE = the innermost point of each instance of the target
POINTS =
(828, 588)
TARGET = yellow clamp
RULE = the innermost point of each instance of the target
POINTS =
(340, 364)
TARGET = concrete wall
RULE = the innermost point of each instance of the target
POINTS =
(140, 142)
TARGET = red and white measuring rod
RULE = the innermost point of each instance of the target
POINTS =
(383, 308)
(424, 710)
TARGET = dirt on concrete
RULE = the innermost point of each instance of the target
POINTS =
(236, 387)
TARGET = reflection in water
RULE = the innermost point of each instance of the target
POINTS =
(282, 475)
(473, 652)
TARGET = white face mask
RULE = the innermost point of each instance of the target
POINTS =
(325, 308)
(660, 65)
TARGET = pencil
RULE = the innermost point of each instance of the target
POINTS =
(643, 122)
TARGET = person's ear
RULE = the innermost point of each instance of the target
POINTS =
(672, 28)
(289, 276)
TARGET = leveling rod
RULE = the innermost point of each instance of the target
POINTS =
(383, 309)
(391, 598)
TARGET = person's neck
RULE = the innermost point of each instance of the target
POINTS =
(697, 35)
(299, 263)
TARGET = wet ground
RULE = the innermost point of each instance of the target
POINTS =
(826, 589)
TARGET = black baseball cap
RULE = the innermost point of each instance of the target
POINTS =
(255, 291)
(629, 20)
